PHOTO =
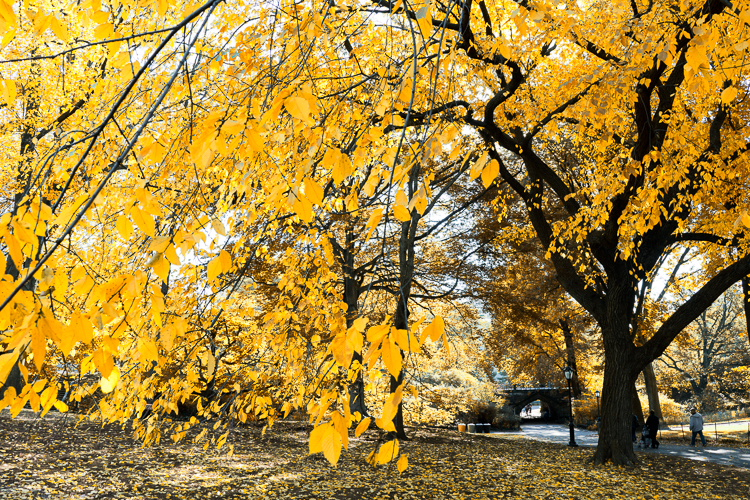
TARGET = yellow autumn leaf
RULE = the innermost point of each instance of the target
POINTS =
(445, 345)
(210, 364)
(402, 463)
(434, 330)
(391, 356)
(298, 107)
(728, 94)
(253, 140)
(9, 92)
(38, 346)
(372, 222)
(50, 328)
(79, 329)
(148, 350)
(388, 451)
(303, 208)
(124, 227)
(103, 361)
(360, 324)
(505, 51)
(376, 333)
(213, 270)
(313, 191)
(160, 265)
(59, 29)
(424, 21)
(401, 213)
(104, 30)
(478, 167)
(161, 7)
(14, 249)
(390, 408)
(315, 443)
(143, 220)
(341, 349)
(109, 382)
(226, 261)
(490, 172)
(218, 226)
(362, 427)
(331, 445)
(47, 399)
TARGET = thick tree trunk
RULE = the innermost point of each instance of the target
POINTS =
(356, 388)
(400, 322)
(615, 442)
(622, 364)
(571, 357)
(14, 380)
(652, 390)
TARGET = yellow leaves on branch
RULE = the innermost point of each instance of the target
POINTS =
(143, 220)
(373, 221)
(424, 21)
(328, 438)
(79, 329)
(400, 207)
(390, 408)
(222, 263)
(434, 330)
(728, 95)
(387, 452)
(109, 382)
(362, 426)
(313, 191)
(299, 108)
(9, 91)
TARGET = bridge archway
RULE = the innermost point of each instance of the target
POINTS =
(555, 400)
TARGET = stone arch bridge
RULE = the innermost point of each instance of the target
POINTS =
(556, 400)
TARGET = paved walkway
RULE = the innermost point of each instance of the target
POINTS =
(557, 433)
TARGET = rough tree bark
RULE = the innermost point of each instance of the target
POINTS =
(352, 290)
(652, 390)
(406, 275)
(571, 357)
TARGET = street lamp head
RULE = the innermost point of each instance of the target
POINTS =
(597, 393)
(568, 371)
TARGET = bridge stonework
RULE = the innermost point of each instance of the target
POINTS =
(556, 400)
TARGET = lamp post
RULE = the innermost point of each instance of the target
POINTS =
(597, 394)
(568, 371)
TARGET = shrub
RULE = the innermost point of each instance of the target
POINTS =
(506, 418)
(585, 410)
(671, 411)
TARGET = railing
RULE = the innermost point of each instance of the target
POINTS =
(525, 388)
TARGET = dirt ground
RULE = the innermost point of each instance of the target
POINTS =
(55, 459)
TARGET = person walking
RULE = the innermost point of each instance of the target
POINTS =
(652, 423)
(696, 426)
(635, 425)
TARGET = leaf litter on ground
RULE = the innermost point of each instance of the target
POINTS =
(55, 458)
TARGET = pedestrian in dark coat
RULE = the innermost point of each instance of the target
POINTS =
(652, 422)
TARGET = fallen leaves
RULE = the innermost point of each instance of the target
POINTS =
(52, 458)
